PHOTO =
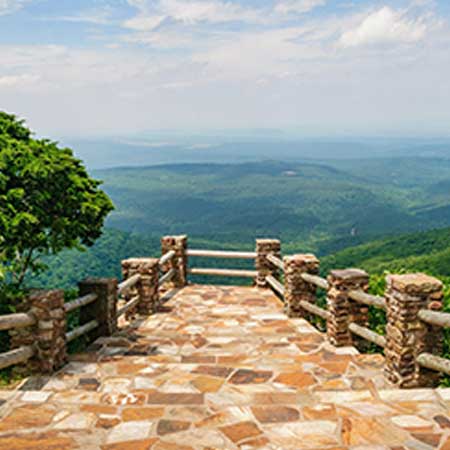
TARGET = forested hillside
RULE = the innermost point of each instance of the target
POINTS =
(311, 205)
(340, 210)
(426, 252)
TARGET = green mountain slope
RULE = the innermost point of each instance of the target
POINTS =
(425, 251)
(308, 203)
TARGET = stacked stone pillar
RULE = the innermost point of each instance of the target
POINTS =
(180, 262)
(104, 308)
(344, 311)
(406, 335)
(296, 289)
(264, 267)
(147, 286)
(48, 334)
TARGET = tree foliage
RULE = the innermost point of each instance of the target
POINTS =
(48, 202)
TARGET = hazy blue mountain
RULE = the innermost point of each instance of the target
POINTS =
(176, 148)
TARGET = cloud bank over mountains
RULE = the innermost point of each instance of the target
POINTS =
(314, 65)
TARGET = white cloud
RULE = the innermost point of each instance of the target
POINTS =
(144, 23)
(95, 17)
(11, 6)
(264, 67)
(17, 80)
(386, 26)
(297, 6)
(189, 12)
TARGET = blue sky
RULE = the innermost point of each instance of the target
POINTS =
(319, 67)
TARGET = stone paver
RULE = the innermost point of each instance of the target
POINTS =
(222, 368)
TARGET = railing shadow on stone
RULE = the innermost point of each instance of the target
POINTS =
(412, 342)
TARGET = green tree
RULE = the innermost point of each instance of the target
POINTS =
(48, 202)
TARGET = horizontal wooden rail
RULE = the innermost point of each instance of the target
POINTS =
(166, 257)
(166, 277)
(224, 272)
(316, 310)
(275, 261)
(368, 335)
(83, 329)
(434, 362)
(221, 254)
(16, 356)
(129, 282)
(128, 305)
(436, 318)
(368, 299)
(18, 320)
(276, 285)
(79, 302)
(316, 280)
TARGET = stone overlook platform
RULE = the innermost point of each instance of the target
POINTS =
(221, 368)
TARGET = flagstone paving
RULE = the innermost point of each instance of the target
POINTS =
(221, 368)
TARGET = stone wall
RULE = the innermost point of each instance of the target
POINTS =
(264, 267)
(296, 289)
(48, 335)
(180, 262)
(147, 286)
(407, 336)
(342, 310)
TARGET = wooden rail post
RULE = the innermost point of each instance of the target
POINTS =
(296, 289)
(263, 266)
(406, 335)
(147, 286)
(180, 262)
(342, 310)
(48, 334)
(103, 309)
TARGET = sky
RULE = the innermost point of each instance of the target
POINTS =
(316, 67)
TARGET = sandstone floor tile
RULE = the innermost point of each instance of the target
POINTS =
(413, 423)
(171, 426)
(144, 444)
(222, 367)
(41, 441)
(240, 431)
(296, 379)
(35, 396)
(76, 421)
(311, 434)
(142, 413)
(273, 414)
(162, 398)
(214, 371)
(128, 431)
(207, 384)
(28, 416)
(247, 376)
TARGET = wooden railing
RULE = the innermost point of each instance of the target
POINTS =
(411, 304)
(83, 329)
(354, 320)
(221, 254)
(428, 360)
(23, 353)
(128, 304)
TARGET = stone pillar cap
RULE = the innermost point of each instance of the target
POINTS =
(141, 262)
(348, 274)
(267, 241)
(415, 282)
(304, 257)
